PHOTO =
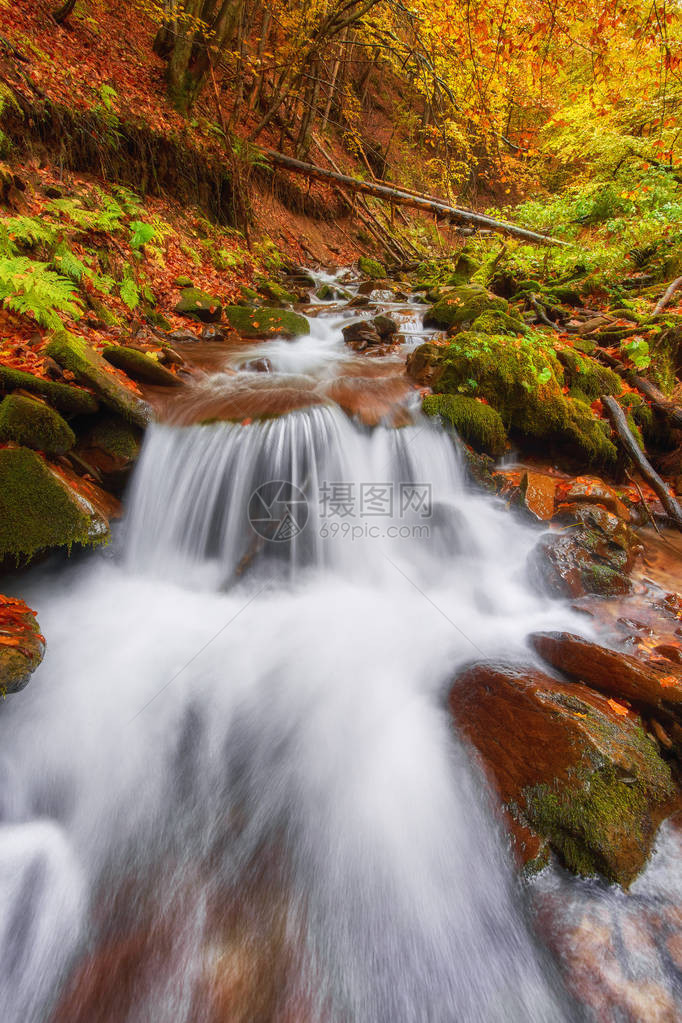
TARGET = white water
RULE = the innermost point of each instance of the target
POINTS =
(275, 741)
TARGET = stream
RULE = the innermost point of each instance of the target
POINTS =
(233, 791)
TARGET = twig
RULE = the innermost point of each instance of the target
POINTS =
(642, 498)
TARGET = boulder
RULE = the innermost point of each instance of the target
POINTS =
(39, 510)
(72, 400)
(371, 268)
(91, 368)
(476, 423)
(140, 366)
(265, 323)
(385, 326)
(35, 425)
(463, 304)
(571, 768)
(537, 490)
(111, 447)
(617, 674)
(183, 337)
(21, 645)
(578, 563)
(593, 490)
(360, 334)
(359, 302)
(199, 305)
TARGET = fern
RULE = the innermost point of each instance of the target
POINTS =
(129, 293)
(107, 218)
(140, 233)
(32, 289)
(27, 231)
(67, 263)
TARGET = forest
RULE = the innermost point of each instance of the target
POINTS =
(341, 511)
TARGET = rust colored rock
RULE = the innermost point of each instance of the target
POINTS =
(595, 491)
(361, 334)
(579, 563)
(567, 764)
(609, 671)
(538, 494)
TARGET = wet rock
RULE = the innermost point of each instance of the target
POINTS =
(594, 517)
(71, 400)
(213, 333)
(359, 302)
(568, 766)
(593, 490)
(40, 509)
(183, 337)
(111, 447)
(361, 334)
(611, 672)
(199, 305)
(477, 424)
(371, 268)
(139, 366)
(424, 364)
(463, 305)
(537, 490)
(384, 326)
(91, 368)
(264, 322)
(35, 425)
(578, 563)
(21, 645)
(259, 366)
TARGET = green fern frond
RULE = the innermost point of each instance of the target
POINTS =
(32, 289)
(129, 293)
(67, 263)
(108, 217)
(28, 230)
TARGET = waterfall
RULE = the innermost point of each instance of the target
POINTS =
(239, 793)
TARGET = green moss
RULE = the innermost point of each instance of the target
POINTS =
(465, 268)
(588, 376)
(463, 305)
(478, 424)
(522, 379)
(30, 422)
(140, 366)
(199, 305)
(116, 437)
(88, 365)
(72, 400)
(249, 296)
(497, 322)
(266, 322)
(36, 509)
(184, 282)
(325, 293)
(275, 292)
(371, 268)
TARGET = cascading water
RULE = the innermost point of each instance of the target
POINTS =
(237, 794)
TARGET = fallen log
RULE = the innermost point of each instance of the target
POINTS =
(634, 452)
(401, 197)
(663, 301)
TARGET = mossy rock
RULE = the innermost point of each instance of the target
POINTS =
(589, 377)
(371, 268)
(463, 305)
(35, 425)
(139, 366)
(183, 282)
(38, 511)
(522, 379)
(199, 305)
(275, 293)
(265, 322)
(115, 437)
(249, 296)
(465, 268)
(497, 322)
(477, 424)
(71, 400)
(91, 368)
(18, 662)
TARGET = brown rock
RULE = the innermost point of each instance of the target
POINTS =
(579, 563)
(595, 491)
(538, 494)
(361, 334)
(566, 763)
(609, 671)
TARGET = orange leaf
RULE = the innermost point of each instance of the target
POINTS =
(668, 681)
(617, 707)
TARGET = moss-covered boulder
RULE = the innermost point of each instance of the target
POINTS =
(265, 322)
(476, 423)
(199, 305)
(572, 768)
(465, 268)
(464, 304)
(74, 354)
(523, 380)
(111, 447)
(72, 400)
(21, 645)
(140, 366)
(35, 425)
(371, 268)
(587, 378)
(494, 321)
(39, 511)
(274, 292)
